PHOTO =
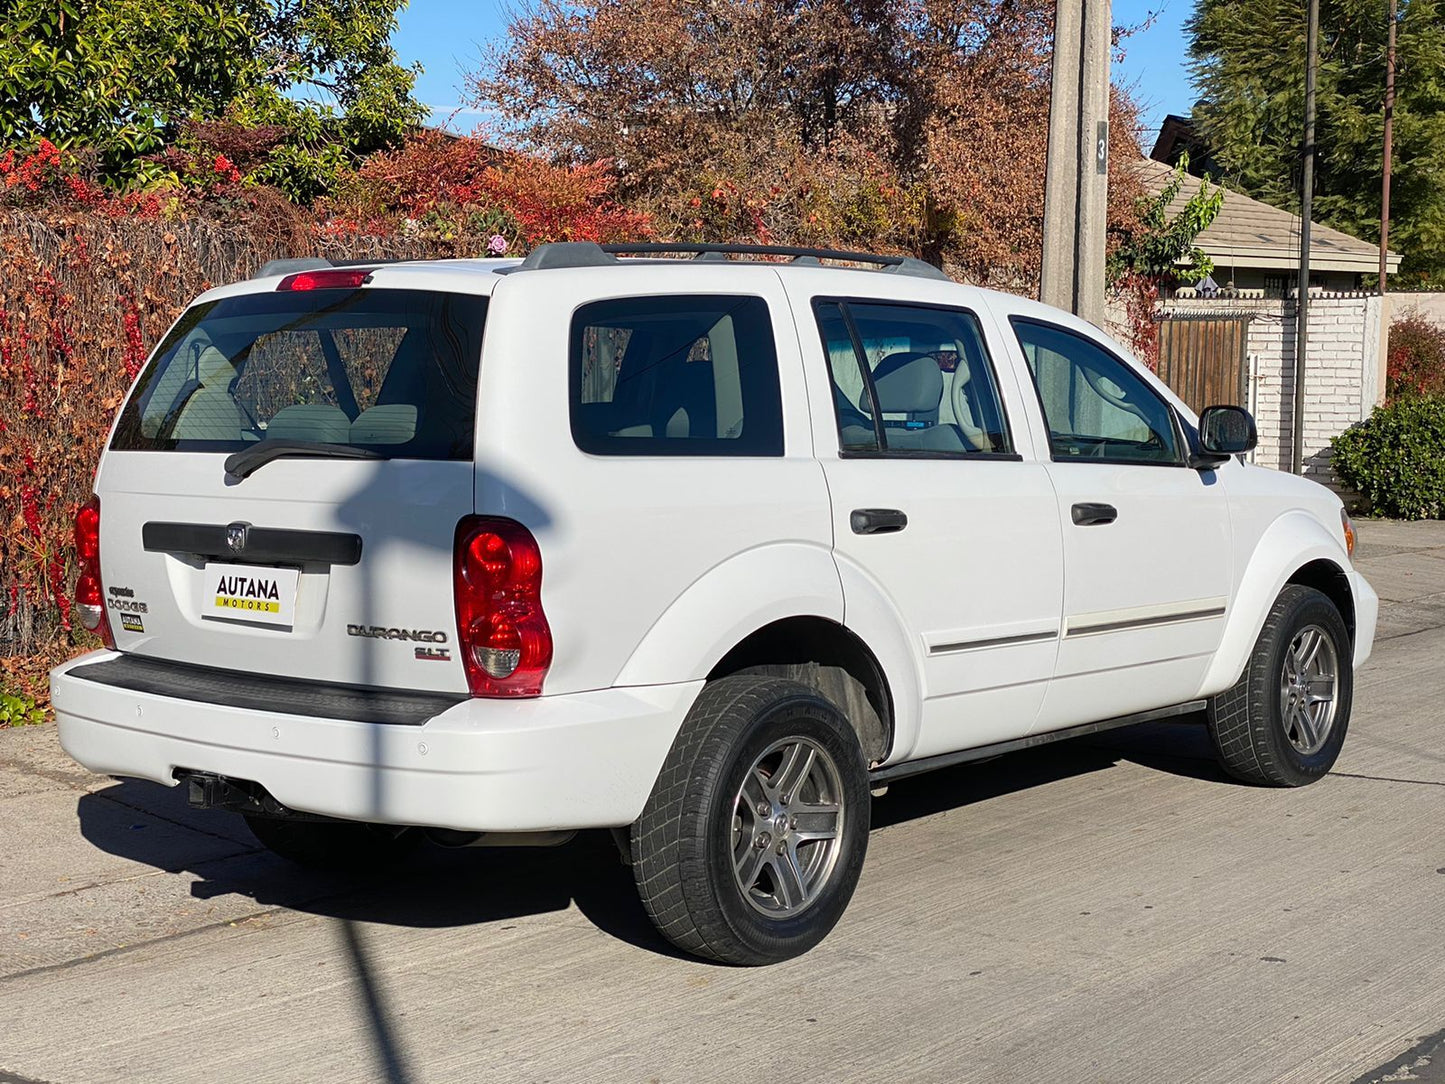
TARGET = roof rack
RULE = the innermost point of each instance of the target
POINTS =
(589, 254)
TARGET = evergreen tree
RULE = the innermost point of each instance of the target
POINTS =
(1249, 62)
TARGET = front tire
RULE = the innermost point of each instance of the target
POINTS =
(1283, 723)
(752, 841)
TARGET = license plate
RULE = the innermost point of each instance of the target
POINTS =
(249, 593)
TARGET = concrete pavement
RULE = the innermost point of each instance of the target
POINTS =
(1108, 910)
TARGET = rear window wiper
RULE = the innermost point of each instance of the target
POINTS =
(246, 462)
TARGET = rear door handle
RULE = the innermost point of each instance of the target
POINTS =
(877, 520)
(1094, 515)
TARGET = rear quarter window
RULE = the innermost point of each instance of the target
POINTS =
(392, 371)
(681, 375)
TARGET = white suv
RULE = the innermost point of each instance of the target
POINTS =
(699, 550)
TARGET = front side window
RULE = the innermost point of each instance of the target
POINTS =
(1096, 407)
(391, 371)
(910, 380)
(687, 375)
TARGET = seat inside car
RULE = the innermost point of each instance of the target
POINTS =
(210, 413)
(911, 384)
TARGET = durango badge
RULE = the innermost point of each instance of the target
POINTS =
(376, 632)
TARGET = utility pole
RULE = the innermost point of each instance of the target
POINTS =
(1389, 149)
(1307, 185)
(1077, 175)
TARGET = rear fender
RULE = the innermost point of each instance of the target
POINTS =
(874, 619)
(730, 601)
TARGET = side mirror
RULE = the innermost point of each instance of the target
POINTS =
(1226, 431)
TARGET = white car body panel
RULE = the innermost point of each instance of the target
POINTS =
(1292, 540)
(656, 567)
(980, 561)
(732, 600)
(620, 548)
(350, 496)
(554, 762)
(871, 615)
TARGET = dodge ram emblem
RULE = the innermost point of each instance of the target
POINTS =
(236, 536)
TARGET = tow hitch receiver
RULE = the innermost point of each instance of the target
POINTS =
(205, 790)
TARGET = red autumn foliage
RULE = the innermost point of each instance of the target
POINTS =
(1415, 357)
(455, 185)
(560, 203)
(90, 280)
(33, 176)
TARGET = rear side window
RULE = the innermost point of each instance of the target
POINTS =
(690, 375)
(392, 371)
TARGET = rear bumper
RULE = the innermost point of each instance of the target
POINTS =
(1367, 616)
(581, 760)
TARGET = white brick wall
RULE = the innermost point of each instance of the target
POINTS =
(1430, 305)
(1342, 375)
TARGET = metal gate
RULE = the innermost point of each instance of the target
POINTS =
(1205, 358)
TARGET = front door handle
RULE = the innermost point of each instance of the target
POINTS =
(877, 520)
(1094, 515)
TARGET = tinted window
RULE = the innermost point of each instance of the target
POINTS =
(394, 371)
(1095, 405)
(911, 380)
(694, 375)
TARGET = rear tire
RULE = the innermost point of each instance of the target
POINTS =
(1283, 723)
(330, 845)
(752, 841)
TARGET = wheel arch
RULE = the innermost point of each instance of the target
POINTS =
(1331, 580)
(828, 657)
(1298, 549)
(761, 596)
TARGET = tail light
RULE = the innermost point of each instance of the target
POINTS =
(89, 594)
(502, 633)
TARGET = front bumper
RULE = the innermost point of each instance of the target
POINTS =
(579, 760)
(1367, 616)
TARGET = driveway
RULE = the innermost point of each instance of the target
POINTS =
(1109, 909)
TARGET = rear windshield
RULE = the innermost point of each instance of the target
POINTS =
(391, 371)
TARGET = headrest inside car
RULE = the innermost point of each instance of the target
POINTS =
(906, 383)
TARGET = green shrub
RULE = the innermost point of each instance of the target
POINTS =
(19, 710)
(1396, 458)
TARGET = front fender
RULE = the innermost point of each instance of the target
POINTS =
(730, 601)
(1289, 543)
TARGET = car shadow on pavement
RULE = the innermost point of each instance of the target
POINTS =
(428, 887)
(1177, 747)
(436, 887)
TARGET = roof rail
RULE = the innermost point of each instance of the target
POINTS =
(565, 254)
(588, 254)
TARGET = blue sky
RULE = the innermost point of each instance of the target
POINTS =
(449, 37)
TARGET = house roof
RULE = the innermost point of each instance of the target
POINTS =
(1248, 233)
(1177, 136)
